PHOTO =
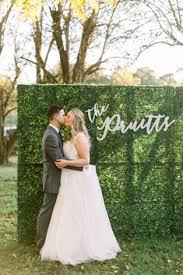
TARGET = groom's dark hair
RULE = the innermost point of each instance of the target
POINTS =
(52, 110)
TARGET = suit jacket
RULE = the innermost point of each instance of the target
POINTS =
(52, 149)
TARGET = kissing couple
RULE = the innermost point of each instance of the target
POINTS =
(73, 226)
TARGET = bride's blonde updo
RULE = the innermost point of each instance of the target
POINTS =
(79, 123)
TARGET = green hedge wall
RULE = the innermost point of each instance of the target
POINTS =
(141, 175)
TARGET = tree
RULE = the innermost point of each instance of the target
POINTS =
(124, 76)
(80, 8)
(57, 31)
(147, 76)
(168, 79)
(7, 105)
(7, 84)
(98, 77)
(165, 24)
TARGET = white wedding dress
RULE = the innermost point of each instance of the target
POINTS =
(79, 230)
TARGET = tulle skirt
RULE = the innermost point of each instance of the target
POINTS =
(80, 230)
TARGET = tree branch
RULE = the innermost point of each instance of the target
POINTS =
(49, 75)
(9, 111)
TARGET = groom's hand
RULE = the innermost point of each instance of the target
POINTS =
(61, 163)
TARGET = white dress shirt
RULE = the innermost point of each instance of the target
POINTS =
(54, 127)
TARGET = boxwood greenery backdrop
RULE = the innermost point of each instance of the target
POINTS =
(141, 174)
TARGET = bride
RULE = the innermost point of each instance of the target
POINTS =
(80, 230)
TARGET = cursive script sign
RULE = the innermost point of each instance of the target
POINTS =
(115, 123)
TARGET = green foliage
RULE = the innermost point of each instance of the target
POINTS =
(140, 174)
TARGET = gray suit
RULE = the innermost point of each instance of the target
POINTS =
(52, 149)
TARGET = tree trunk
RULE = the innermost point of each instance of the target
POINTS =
(88, 28)
(42, 75)
(38, 42)
(64, 55)
(2, 145)
(11, 143)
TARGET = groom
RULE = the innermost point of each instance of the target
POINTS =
(52, 149)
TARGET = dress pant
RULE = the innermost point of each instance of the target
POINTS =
(44, 217)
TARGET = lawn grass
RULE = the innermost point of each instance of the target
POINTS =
(139, 257)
